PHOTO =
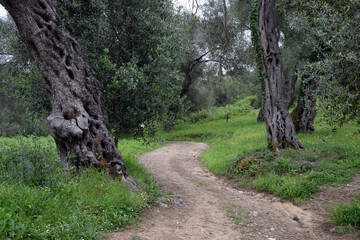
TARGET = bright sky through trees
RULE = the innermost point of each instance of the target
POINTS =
(3, 12)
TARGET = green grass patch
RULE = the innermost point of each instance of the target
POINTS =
(39, 201)
(347, 215)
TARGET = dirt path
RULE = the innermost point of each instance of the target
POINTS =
(206, 207)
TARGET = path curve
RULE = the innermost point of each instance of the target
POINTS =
(203, 204)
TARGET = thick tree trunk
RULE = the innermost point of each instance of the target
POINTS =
(280, 128)
(78, 121)
(304, 114)
(261, 115)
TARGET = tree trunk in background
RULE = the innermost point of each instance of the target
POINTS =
(261, 115)
(279, 125)
(186, 70)
(78, 121)
(304, 114)
(292, 92)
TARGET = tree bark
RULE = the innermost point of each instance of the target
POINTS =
(78, 121)
(279, 125)
(292, 92)
(186, 70)
(261, 115)
(304, 114)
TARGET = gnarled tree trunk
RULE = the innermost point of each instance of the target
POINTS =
(279, 125)
(304, 114)
(78, 121)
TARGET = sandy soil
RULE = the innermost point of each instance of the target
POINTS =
(203, 206)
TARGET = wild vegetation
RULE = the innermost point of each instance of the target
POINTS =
(38, 200)
(94, 74)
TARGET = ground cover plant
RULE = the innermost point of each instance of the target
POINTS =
(346, 215)
(239, 150)
(39, 201)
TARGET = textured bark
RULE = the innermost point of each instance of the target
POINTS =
(261, 115)
(78, 121)
(292, 92)
(305, 112)
(279, 125)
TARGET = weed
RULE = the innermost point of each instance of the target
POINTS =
(241, 217)
(347, 214)
(282, 166)
(247, 166)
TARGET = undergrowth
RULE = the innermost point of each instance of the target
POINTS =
(346, 215)
(39, 201)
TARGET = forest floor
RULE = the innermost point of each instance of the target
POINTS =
(199, 205)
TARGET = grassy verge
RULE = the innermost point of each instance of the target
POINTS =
(239, 150)
(346, 215)
(39, 201)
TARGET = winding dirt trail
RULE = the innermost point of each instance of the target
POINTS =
(204, 206)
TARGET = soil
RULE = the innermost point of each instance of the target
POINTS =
(199, 205)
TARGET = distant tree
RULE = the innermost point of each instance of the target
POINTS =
(27, 103)
(331, 28)
(78, 121)
(219, 53)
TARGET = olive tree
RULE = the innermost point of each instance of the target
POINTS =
(279, 125)
(78, 121)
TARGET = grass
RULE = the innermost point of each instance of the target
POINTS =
(39, 201)
(238, 149)
(347, 215)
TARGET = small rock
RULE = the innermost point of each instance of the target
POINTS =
(271, 238)
(255, 214)
(272, 229)
(296, 219)
(163, 205)
(241, 192)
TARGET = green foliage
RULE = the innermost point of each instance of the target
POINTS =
(247, 166)
(39, 201)
(347, 214)
(30, 161)
(23, 99)
(135, 48)
(255, 38)
(333, 65)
